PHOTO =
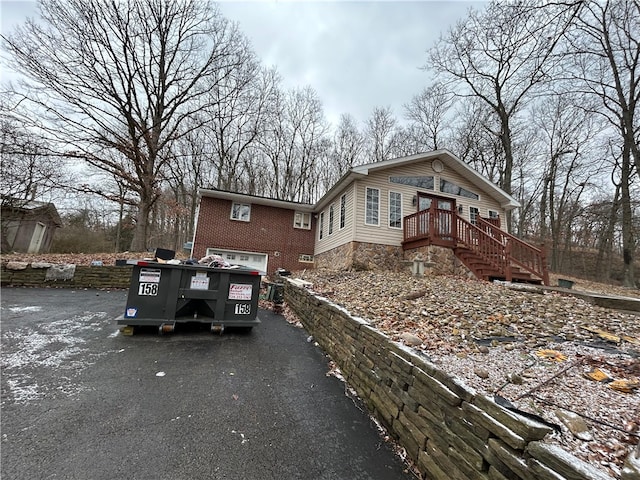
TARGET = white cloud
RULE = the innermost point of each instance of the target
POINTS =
(356, 55)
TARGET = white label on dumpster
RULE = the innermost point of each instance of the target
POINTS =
(242, 309)
(200, 281)
(148, 289)
(240, 291)
(149, 275)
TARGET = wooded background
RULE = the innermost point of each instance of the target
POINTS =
(128, 108)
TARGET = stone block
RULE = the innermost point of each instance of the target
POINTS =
(407, 439)
(563, 463)
(434, 390)
(471, 469)
(476, 415)
(512, 458)
(386, 408)
(16, 266)
(430, 468)
(526, 428)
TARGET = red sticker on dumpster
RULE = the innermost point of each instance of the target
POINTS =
(240, 291)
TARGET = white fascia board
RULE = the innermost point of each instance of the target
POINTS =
(328, 197)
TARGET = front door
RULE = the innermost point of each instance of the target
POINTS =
(439, 217)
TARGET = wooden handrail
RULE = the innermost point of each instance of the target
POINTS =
(485, 245)
(497, 247)
(524, 255)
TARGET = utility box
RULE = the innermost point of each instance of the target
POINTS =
(164, 294)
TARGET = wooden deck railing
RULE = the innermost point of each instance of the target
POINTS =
(496, 247)
(523, 254)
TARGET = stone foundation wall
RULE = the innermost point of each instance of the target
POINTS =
(339, 258)
(447, 429)
(443, 259)
(369, 256)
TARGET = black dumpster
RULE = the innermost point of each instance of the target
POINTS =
(164, 294)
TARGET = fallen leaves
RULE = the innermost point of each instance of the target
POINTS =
(525, 344)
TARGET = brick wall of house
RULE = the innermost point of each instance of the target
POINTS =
(270, 230)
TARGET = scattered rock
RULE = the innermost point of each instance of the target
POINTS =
(17, 265)
(410, 339)
(576, 425)
(41, 265)
(481, 372)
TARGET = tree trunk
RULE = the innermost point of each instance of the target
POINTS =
(628, 242)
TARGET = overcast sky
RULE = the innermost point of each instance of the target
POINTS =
(356, 55)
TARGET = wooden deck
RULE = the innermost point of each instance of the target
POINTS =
(488, 251)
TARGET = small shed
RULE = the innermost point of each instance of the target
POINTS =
(29, 226)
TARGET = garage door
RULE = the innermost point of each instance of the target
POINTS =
(247, 259)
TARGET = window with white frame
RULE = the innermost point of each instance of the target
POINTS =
(240, 211)
(372, 206)
(343, 210)
(395, 210)
(321, 226)
(331, 219)
(305, 258)
(302, 220)
(493, 214)
(474, 213)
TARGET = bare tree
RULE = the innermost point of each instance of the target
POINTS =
(348, 145)
(604, 58)
(427, 112)
(500, 55)
(296, 138)
(27, 171)
(237, 112)
(379, 134)
(123, 76)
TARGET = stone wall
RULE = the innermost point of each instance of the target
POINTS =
(370, 256)
(447, 429)
(35, 275)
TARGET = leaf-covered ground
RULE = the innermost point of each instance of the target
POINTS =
(536, 349)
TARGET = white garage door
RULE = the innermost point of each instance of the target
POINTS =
(246, 259)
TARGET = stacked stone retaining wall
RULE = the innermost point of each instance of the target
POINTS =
(447, 429)
(83, 277)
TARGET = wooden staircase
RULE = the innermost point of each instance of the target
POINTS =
(487, 251)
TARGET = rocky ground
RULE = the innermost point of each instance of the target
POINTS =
(573, 364)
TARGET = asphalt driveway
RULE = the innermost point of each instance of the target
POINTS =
(81, 401)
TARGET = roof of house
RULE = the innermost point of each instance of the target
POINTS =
(445, 156)
(255, 199)
(361, 171)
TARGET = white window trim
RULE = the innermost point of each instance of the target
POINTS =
(477, 210)
(332, 217)
(497, 214)
(248, 219)
(305, 258)
(304, 215)
(366, 206)
(320, 226)
(343, 212)
(389, 219)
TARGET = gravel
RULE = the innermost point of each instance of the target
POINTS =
(536, 349)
